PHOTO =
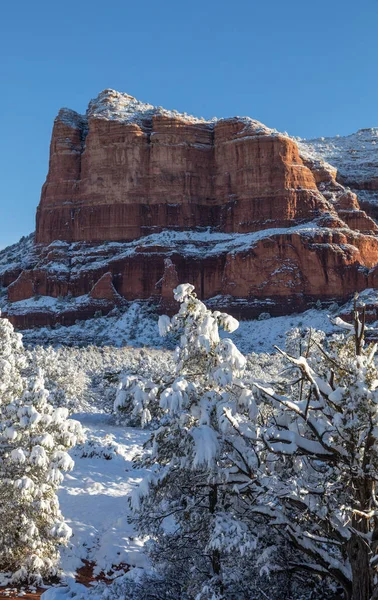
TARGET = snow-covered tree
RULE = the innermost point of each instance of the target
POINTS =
(139, 387)
(321, 461)
(137, 399)
(12, 362)
(34, 438)
(190, 504)
(63, 374)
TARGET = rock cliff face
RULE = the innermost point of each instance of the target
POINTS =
(126, 170)
(138, 199)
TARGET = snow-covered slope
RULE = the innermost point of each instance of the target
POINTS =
(19, 255)
(137, 327)
(355, 156)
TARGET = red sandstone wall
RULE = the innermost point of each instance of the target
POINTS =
(121, 180)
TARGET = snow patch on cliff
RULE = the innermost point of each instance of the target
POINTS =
(192, 243)
(51, 304)
(78, 256)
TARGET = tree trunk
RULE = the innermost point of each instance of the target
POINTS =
(213, 499)
(359, 555)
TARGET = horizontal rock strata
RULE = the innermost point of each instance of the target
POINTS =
(138, 199)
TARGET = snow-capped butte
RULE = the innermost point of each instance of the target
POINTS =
(120, 106)
(228, 202)
(110, 104)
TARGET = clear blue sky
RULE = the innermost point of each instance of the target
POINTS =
(306, 67)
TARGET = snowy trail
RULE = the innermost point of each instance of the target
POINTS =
(93, 497)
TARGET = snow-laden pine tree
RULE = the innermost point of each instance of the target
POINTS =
(139, 388)
(321, 461)
(34, 438)
(191, 503)
(64, 376)
(136, 398)
(12, 362)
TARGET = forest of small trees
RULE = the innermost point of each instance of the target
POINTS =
(256, 487)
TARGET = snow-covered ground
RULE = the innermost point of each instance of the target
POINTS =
(94, 500)
(93, 497)
(136, 327)
(139, 329)
(260, 336)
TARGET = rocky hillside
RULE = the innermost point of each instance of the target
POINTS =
(139, 198)
(356, 159)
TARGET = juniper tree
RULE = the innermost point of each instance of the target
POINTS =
(318, 482)
(187, 504)
(34, 438)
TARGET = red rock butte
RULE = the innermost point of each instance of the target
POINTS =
(138, 198)
(126, 170)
